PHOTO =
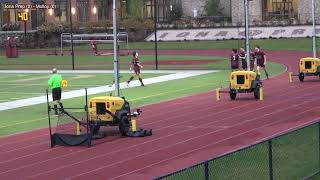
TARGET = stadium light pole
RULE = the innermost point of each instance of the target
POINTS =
(71, 34)
(314, 47)
(155, 19)
(246, 14)
(115, 51)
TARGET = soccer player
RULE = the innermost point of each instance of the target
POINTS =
(242, 56)
(94, 47)
(55, 83)
(135, 64)
(252, 59)
(234, 58)
(260, 60)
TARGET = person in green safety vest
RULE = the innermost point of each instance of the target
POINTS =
(55, 83)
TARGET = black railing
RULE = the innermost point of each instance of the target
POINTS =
(291, 155)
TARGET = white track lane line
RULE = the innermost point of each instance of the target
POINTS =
(166, 147)
(197, 149)
(109, 153)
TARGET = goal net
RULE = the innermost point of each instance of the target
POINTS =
(99, 38)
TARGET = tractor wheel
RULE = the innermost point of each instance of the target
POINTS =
(233, 94)
(301, 77)
(256, 92)
(124, 126)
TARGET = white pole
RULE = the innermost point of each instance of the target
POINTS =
(314, 48)
(246, 7)
(61, 43)
(115, 51)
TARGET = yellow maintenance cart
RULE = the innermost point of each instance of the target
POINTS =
(243, 82)
(307, 67)
(111, 111)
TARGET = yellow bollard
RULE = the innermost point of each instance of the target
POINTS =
(133, 125)
(290, 77)
(78, 128)
(261, 94)
(218, 94)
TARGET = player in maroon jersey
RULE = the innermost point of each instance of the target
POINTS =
(242, 57)
(234, 60)
(260, 60)
(94, 47)
(136, 66)
(252, 59)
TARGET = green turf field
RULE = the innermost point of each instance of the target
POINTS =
(294, 156)
(106, 62)
(316, 177)
(305, 44)
(17, 86)
(33, 117)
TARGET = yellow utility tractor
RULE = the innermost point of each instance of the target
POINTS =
(110, 111)
(244, 82)
(307, 67)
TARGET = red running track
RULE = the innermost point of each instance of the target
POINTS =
(186, 131)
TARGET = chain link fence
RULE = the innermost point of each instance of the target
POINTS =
(293, 155)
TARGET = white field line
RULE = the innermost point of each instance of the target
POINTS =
(14, 87)
(31, 79)
(14, 98)
(41, 84)
(27, 93)
(101, 89)
(87, 71)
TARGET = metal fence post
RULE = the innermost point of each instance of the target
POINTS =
(206, 170)
(87, 121)
(270, 159)
(49, 109)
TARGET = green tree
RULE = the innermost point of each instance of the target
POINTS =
(135, 8)
(212, 8)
